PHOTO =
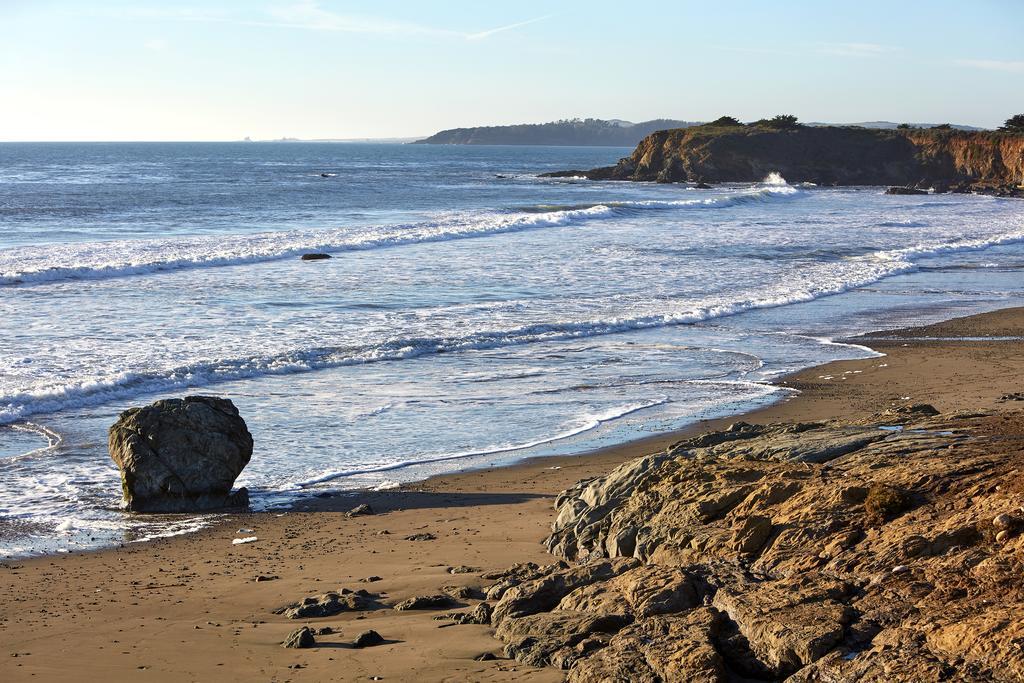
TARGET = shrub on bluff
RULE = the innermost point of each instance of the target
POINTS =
(181, 455)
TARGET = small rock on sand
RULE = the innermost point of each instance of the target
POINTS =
(421, 537)
(362, 509)
(424, 602)
(300, 638)
(367, 639)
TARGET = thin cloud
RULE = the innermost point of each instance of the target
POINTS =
(856, 49)
(306, 15)
(487, 34)
(992, 65)
(309, 15)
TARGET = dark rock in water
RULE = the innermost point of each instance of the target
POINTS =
(301, 638)
(564, 174)
(363, 509)
(181, 455)
(367, 639)
(905, 190)
(702, 186)
(315, 257)
(437, 601)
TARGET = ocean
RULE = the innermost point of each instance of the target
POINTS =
(472, 314)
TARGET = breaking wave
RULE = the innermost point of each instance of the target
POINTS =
(104, 260)
(805, 285)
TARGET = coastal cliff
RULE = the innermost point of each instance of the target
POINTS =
(934, 157)
(569, 132)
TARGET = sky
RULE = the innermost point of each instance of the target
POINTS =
(227, 69)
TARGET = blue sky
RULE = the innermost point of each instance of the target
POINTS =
(222, 70)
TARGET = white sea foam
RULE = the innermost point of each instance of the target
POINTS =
(585, 424)
(850, 274)
(102, 260)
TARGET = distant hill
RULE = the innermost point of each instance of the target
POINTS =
(581, 132)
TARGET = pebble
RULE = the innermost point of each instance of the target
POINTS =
(1003, 521)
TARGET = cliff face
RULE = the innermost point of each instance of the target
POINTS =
(826, 156)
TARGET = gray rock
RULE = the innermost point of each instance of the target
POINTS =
(358, 510)
(425, 602)
(181, 455)
(367, 639)
(328, 604)
(462, 569)
(300, 638)
(481, 615)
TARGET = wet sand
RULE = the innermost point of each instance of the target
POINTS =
(190, 607)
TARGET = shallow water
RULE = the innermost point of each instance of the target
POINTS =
(465, 320)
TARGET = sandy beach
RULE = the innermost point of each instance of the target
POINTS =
(192, 607)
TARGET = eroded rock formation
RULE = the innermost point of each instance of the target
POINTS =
(181, 455)
(802, 552)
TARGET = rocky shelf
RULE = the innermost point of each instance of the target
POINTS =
(877, 550)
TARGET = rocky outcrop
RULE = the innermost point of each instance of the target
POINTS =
(181, 455)
(801, 552)
(941, 159)
(329, 604)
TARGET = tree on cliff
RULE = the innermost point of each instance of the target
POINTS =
(725, 121)
(780, 122)
(1014, 124)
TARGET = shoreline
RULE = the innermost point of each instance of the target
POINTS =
(119, 611)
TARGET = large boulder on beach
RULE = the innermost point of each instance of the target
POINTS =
(181, 455)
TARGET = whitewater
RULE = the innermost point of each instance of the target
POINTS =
(472, 313)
